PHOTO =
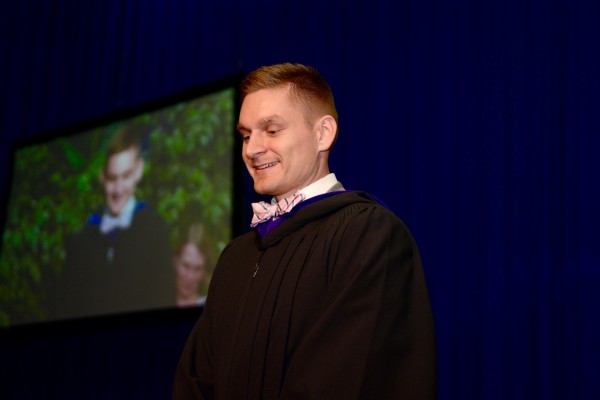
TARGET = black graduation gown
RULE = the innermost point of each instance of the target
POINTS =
(332, 304)
(126, 270)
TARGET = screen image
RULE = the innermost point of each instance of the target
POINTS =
(125, 215)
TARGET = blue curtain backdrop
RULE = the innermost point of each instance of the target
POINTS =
(477, 122)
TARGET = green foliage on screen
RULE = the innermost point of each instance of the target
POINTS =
(188, 178)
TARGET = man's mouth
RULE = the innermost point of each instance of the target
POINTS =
(267, 165)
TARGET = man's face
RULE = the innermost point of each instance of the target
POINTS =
(280, 150)
(190, 269)
(120, 177)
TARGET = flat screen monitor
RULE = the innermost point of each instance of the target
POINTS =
(121, 214)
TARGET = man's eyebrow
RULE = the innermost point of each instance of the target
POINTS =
(242, 128)
(271, 119)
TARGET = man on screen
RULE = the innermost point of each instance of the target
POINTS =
(120, 260)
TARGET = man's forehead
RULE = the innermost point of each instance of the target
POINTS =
(268, 107)
(265, 106)
(121, 162)
(271, 119)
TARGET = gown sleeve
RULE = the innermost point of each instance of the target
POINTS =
(374, 338)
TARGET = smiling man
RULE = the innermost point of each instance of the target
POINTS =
(326, 297)
(120, 260)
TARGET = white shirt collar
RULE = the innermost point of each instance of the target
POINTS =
(321, 186)
(123, 220)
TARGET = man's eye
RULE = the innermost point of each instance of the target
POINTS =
(245, 138)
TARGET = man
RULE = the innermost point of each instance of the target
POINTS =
(326, 298)
(120, 261)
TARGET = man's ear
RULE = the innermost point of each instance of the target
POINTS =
(327, 131)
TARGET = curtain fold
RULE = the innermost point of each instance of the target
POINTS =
(476, 122)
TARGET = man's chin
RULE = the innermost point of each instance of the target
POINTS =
(115, 210)
(261, 189)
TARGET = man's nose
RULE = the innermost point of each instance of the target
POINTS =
(255, 145)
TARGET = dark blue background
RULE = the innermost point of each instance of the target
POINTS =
(477, 122)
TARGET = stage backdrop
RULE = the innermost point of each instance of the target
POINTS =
(476, 122)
